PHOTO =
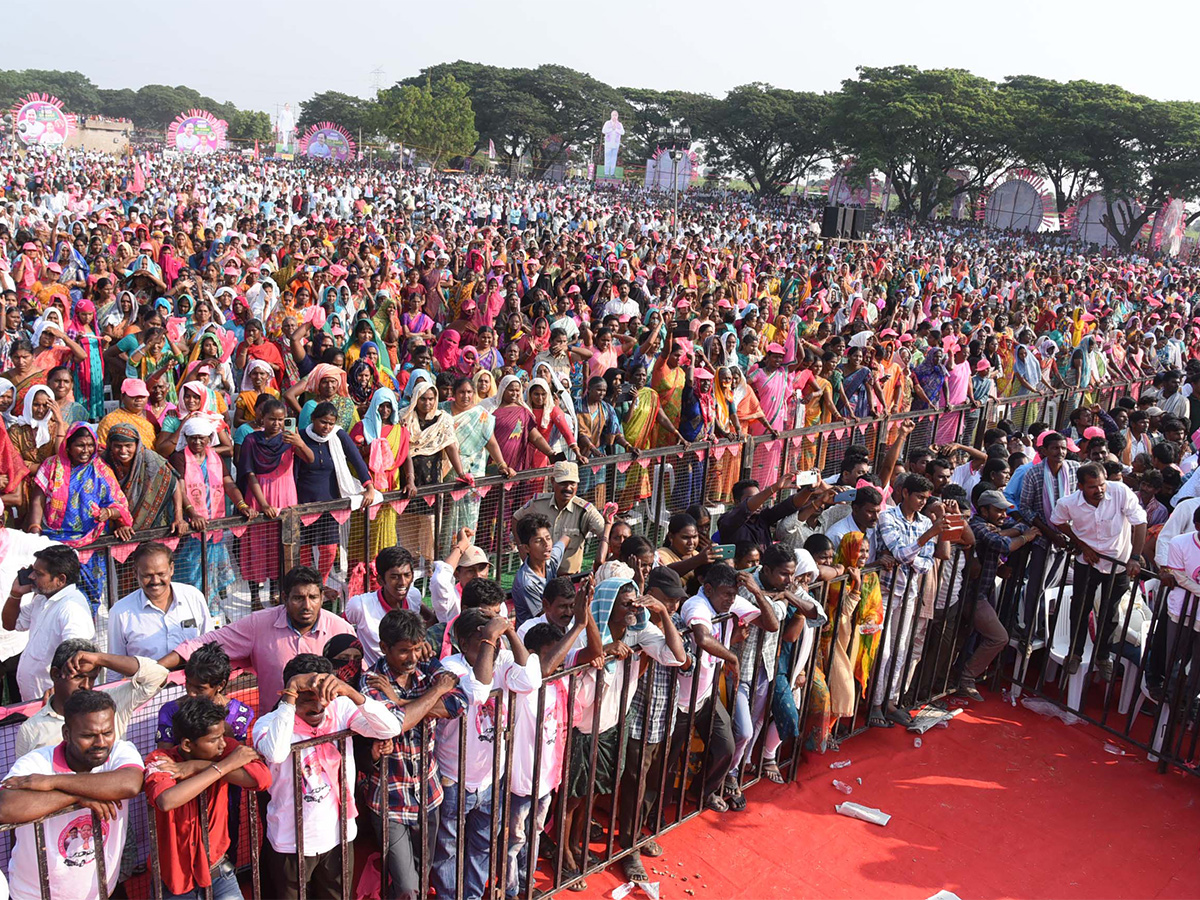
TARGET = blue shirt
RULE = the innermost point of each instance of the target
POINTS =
(1013, 489)
(528, 586)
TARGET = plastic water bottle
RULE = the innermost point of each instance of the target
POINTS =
(843, 787)
(840, 764)
(916, 742)
(1114, 750)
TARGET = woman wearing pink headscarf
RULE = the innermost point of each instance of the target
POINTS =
(446, 351)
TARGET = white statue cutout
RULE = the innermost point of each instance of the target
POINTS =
(613, 130)
(285, 126)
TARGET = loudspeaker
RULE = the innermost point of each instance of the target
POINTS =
(830, 222)
(845, 223)
(864, 222)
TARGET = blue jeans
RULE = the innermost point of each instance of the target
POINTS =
(746, 723)
(225, 886)
(476, 843)
(518, 839)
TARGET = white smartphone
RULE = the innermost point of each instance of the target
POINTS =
(808, 478)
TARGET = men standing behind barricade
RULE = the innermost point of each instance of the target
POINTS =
(394, 571)
(75, 666)
(57, 611)
(314, 703)
(482, 665)
(203, 758)
(90, 767)
(627, 624)
(162, 613)
(267, 640)
(909, 537)
(414, 690)
(1044, 485)
(1108, 525)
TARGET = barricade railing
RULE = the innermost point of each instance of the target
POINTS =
(39, 839)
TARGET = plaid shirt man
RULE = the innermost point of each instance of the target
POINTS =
(1041, 490)
(661, 718)
(990, 546)
(404, 764)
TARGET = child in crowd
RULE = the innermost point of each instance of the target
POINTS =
(543, 556)
(201, 758)
(465, 562)
(313, 704)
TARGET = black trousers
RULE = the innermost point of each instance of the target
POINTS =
(719, 752)
(323, 872)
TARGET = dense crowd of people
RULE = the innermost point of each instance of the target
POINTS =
(238, 337)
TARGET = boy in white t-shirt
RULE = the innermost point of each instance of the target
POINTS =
(90, 767)
(1182, 573)
(314, 703)
(394, 569)
(482, 665)
(550, 644)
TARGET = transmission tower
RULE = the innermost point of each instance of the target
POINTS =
(377, 79)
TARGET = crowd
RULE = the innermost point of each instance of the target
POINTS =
(239, 337)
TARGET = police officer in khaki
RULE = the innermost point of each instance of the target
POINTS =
(570, 516)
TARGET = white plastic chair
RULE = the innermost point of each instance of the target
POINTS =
(1021, 664)
(1060, 649)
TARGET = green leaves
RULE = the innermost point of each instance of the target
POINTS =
(436, 117)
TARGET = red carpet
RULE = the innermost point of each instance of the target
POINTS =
(1002, 803)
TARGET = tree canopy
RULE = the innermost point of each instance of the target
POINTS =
(935, 134)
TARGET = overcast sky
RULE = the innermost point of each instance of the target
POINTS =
(261, 53)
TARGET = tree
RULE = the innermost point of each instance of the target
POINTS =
(352, 113)
(76, 91)
(651, 111)
(119, 104)
(915, 126)
(436, 118)
(250, 125)
(768, 134)
(159, 104)
(1154, 156)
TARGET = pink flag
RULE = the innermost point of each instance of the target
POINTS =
(491, 149)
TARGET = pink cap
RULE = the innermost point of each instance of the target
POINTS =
(55, 267)
(702, 375)
(1094, 431)
(134, 387)
(983, 366)
(775, 348)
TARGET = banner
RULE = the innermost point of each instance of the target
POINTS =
(328, 141)
(39, 121)
(197, 133)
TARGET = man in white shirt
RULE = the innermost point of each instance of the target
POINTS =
(482, 666)
(75, 665)
(89, 766)
(718, 596)
(1181, 573)
(314, 703)
(1106, 521)
(465, 563)
(394, 570)
(58, 611)
(161, 614)
(1179, 522)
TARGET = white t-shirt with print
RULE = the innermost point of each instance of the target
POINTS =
(70, 847)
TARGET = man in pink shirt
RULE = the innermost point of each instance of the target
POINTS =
(268, 639)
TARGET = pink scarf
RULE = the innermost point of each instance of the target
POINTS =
(196, 486)
(327, 759)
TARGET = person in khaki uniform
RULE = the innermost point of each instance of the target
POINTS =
(570, 516)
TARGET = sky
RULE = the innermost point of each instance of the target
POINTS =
(263, 53)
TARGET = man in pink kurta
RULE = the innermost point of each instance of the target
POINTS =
(268, 639)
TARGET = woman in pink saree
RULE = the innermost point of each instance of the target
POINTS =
(958, 383)
(772, 384)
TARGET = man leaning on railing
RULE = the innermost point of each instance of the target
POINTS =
(90, 775)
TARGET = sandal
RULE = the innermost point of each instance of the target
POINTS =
(716, 802)
(577, 886)
(900, 717)
(652, 848)
(771, 773)
(734, 798)
(878, 720)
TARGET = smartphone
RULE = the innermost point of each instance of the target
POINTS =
(289, 424)
(807, 479)
(725, 551)
(25, 575)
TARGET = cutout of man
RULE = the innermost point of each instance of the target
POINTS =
(613, 130)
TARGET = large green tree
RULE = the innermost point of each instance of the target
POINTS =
(915, 126)
(767, 134)
(436, 118)
(76, 91)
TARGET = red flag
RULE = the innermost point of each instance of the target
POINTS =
(139, 179)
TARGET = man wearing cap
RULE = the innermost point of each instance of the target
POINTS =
(132, 411)
(465, 563)
(994, 538)
(1045, 484)
(1107, 523)
(570, 516)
